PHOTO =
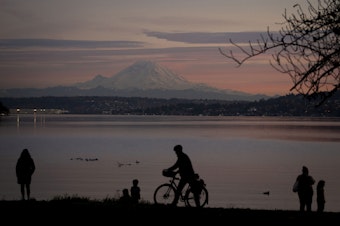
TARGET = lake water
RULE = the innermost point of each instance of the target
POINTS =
(238, 157)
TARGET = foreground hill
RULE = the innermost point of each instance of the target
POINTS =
(80, 212)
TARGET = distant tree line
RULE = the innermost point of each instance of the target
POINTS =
(3, 109)
(289, 105)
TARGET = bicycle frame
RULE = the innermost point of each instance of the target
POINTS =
(166, 193)
(175, 185)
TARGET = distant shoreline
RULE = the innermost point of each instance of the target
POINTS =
(289, 105)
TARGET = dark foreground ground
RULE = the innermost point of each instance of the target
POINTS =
(66, 212)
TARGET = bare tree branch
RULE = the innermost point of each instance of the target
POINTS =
(307, 48)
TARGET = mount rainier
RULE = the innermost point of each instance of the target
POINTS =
(141, 79)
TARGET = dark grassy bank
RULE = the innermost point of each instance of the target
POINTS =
(112, 212)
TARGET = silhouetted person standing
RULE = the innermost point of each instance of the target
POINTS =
(305, 189)
(135, 191)
(25, 168)
(320, 196)
(186, 171)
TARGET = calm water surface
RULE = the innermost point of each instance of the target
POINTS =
(238, 157)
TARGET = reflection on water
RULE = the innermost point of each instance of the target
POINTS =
(294, 128)
(239, 158)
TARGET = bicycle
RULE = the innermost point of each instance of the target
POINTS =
(165, 193)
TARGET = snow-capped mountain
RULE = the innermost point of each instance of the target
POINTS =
(142, 75)
(141, 79)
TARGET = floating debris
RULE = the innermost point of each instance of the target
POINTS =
(127, 164)
(86, 159)
(266, 193)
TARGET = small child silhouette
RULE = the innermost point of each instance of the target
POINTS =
(320, 195)
(135, 191)
(125, 199)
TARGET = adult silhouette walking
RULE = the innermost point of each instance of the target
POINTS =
(305, 190)
(25, 168)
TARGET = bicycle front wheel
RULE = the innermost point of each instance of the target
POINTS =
(202, 198)
(164, 194)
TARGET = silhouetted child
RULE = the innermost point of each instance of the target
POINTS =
(135, 191)
(125, 199)
(320, 196)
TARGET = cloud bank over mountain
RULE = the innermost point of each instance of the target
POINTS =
(207, 37)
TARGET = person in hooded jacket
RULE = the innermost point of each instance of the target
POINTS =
(25, 168)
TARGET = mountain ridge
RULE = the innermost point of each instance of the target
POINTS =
(141, 79)
(144, 75)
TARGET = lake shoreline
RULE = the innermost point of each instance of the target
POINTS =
(240, 159)
(97, 212)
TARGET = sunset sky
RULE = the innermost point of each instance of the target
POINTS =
(60, 42)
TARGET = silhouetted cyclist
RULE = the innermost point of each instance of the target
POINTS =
(185, 170)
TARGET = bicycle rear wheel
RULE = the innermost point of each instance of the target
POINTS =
(164, 194)
(190, 198)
